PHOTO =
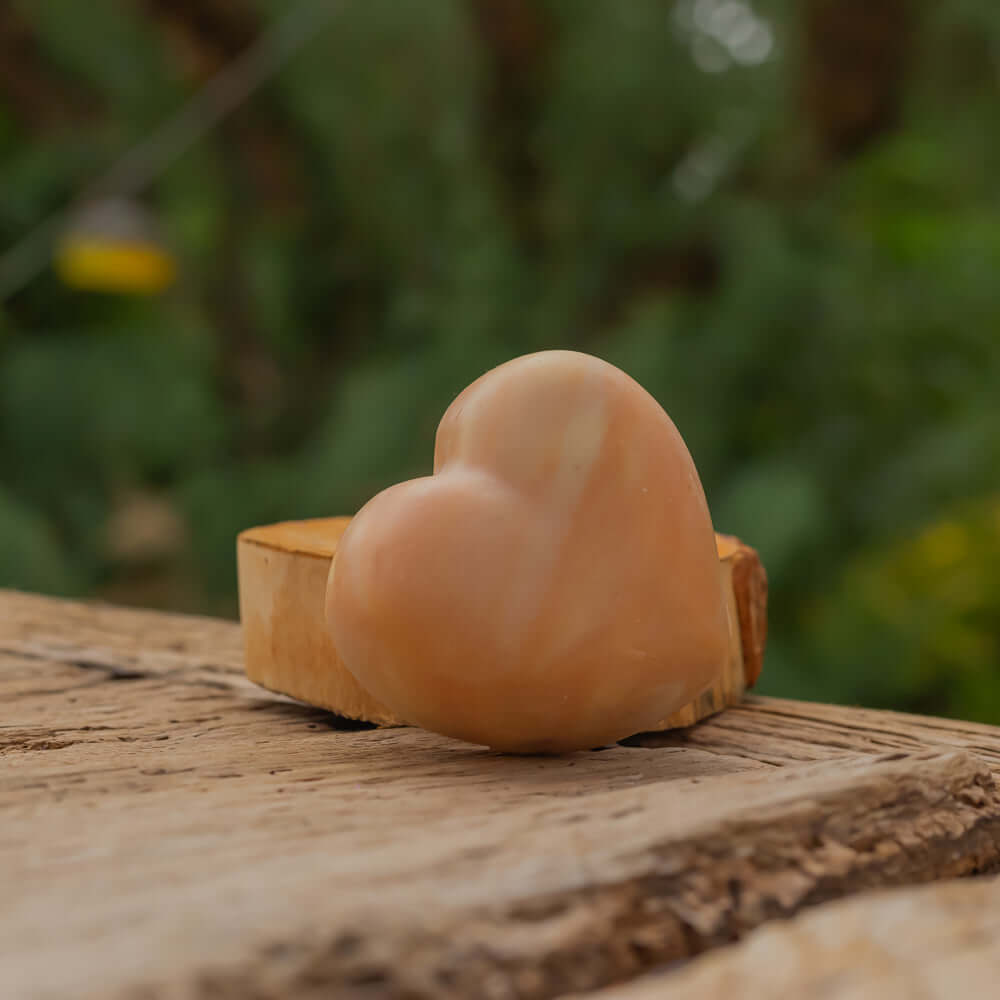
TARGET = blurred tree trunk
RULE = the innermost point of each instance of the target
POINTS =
(260, 156)
(855, 62)
(516, 37)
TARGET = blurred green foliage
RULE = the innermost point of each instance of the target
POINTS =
(783, 220)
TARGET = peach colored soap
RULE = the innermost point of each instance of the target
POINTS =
(555, 584)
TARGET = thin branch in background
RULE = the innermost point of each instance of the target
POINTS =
(143, 163)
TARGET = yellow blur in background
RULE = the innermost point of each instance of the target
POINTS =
(113, 247)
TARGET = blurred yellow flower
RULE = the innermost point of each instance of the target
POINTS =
(112, 246)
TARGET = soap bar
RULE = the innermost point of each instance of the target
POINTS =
(554, 585)
(283, 571)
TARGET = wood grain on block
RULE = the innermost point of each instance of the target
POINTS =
(172, 830)
(283, 569)
(937, 942)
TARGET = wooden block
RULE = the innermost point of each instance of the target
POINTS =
(283, 569)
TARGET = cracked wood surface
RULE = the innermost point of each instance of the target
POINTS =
(936, 942)
(170, 830)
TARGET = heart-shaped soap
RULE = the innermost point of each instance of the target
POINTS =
(555, 584)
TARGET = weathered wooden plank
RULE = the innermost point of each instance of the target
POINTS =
(169, 828)
(782, 732)
(937, 942)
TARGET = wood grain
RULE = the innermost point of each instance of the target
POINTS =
(171, 830)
